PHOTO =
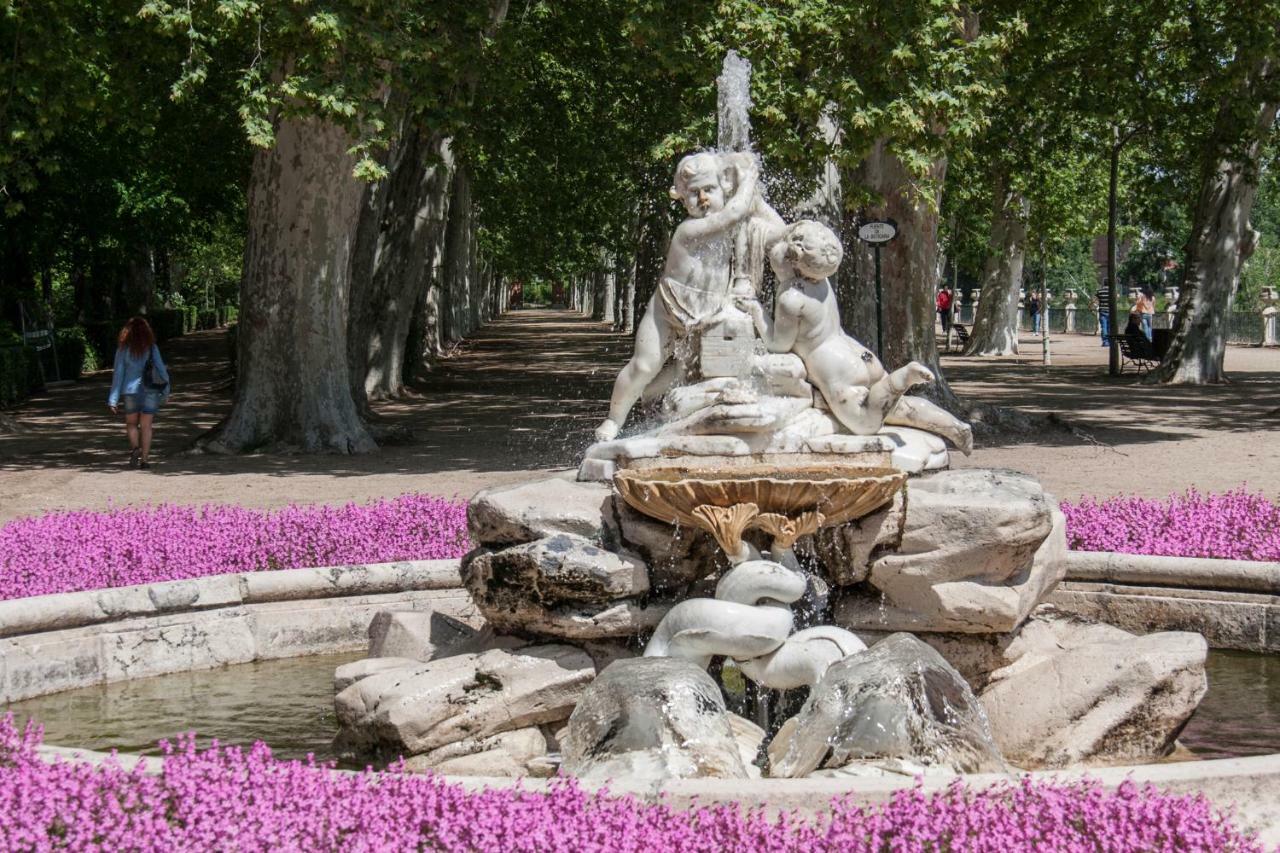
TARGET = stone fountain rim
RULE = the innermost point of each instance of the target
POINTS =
(63, 625)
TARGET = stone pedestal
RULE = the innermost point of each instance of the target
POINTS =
(727, 347)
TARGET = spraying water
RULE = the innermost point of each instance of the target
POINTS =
(733, 101)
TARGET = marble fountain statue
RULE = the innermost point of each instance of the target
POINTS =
(785, 516)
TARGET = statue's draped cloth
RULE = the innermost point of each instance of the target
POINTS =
(690, 305)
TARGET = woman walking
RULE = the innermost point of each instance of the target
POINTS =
(141, 378)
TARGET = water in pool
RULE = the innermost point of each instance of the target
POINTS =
(289, 705)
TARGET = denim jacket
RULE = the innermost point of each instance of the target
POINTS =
(127, 376)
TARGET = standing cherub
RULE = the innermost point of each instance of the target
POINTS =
(859, 391)
(719, 192)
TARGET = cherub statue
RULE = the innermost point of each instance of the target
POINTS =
(720, 192)
(859, 391)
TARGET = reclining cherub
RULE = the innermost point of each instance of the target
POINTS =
(719, 192)
(860, 393)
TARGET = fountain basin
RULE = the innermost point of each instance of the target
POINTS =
(786, 503)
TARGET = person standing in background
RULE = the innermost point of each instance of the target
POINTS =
(1102, 301)
(945, 300)
(1146, 310)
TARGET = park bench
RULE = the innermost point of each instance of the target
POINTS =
(1135, 349)
(962, 334)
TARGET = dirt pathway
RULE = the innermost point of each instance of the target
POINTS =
(523, 394)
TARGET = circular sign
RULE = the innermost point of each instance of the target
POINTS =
(877, 232)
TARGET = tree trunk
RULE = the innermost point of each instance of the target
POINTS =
(1221, 241)
(908, 266)
(459, 260)
(627, 296)
(139, 282)
(399, 240)
(293, 387)
(605, 287)
(995, 328)
(611, 294)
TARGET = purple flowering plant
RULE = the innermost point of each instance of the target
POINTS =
(75, 550)
(80, 549)
(229, 798)
(1234, 525)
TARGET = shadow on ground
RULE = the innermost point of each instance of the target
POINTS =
(522, 393)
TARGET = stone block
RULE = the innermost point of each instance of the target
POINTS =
(561, 586)
(980, 549)
(559, 569)
(417, 634)
(175, 644)
(506, 754)
(1227, 620)
(465, 696)
(62, 660)
(349, 673)
(1077, 693)
(515, 514)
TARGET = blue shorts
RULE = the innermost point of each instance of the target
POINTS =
(147, 402)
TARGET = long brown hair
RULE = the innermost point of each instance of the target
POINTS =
(137, 335)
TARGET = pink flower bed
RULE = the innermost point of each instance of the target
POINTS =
(69, 551)
(1235, 525)
(225, 798)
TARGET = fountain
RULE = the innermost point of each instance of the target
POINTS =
(780, 464)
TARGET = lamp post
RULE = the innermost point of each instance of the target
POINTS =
(877, 234)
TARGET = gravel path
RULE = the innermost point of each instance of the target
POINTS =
(520, 398)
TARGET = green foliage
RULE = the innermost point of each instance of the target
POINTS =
(1263, 269)
(19, 374)
(75, 353)
(336, 61)
(922, 75)
(170, 323)
(103, 338)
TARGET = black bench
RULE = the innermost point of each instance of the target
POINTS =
(1135, 349)
(962, 334)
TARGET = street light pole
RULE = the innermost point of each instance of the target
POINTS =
(877, 234)
(879, 309)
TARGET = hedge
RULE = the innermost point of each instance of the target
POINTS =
(19, 374)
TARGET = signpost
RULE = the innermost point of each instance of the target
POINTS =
(877, 234)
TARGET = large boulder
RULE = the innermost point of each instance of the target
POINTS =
(1078, 693)
(979, 550)
(1062, 691)
(513, 514)
(897, 701)
(651, 719)
(676, 557)
(425, 706)
(561, 586)
(559, 569)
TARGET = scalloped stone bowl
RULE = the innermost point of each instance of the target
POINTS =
(836, 493)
